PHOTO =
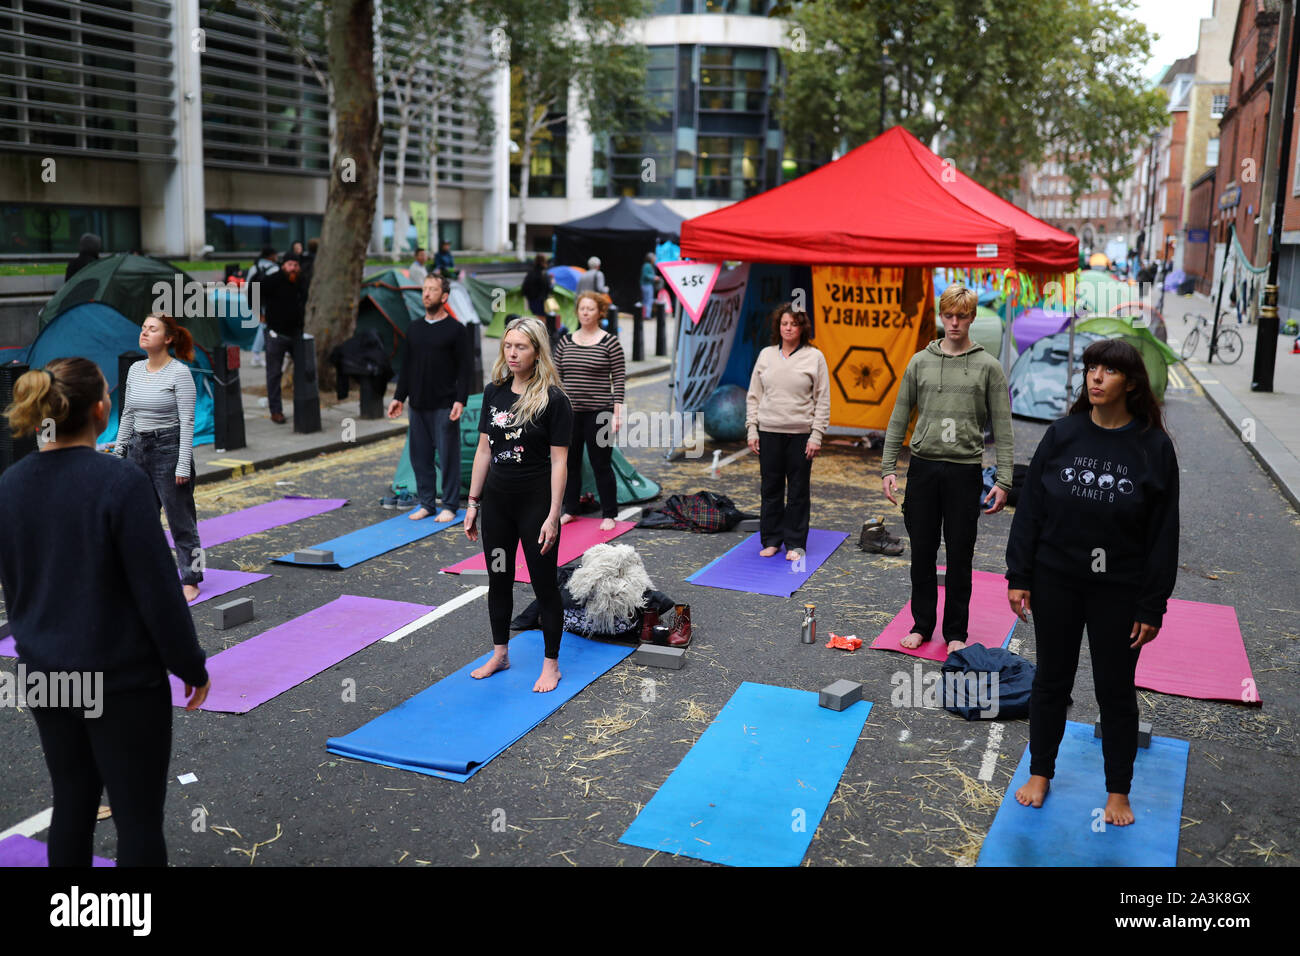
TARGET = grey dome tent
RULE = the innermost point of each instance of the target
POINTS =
(1037, 380)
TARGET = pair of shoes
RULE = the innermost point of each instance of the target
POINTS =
(679, 635)
(404, 500)
(277, 417)
(877, 540)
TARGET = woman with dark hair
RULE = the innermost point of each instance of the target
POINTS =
(1095, 542)
(788, 410)
(93, 600)
(519, 470)
(157, 433)
(537, 286)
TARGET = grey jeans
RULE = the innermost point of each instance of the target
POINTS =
(156, 452)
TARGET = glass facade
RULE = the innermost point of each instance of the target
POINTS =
(233, 231)
(546, 168)
(33, 229)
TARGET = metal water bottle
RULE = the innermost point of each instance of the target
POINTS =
(808, 633)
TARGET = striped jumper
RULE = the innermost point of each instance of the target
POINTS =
(592, 374)
(157, 400)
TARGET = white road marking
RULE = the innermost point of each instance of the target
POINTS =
(31, 826)
(457, 602)
(627, 513)
(991, 753)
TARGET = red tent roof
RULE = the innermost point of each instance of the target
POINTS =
(890, 202)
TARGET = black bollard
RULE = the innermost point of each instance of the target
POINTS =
(661, 329)
(227, 400)
(638, 335)
(306, 392)
(124, 363)
(476, 346)
(372, 396)
(611, 320)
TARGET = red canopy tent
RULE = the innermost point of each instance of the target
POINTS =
(890, 202)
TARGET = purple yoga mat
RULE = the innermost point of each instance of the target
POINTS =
(239, 524)
(19, 850)
(262, 667)
(215, 583)
(741, 568)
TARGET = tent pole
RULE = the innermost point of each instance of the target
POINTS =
(1069, 358)
(672, 375)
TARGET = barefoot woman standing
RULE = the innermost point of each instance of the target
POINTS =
(1095, 541)
(518, 485)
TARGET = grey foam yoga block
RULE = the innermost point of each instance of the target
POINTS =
(233, 613)
(652, 655)
(314, 556)
(840, 695)
(1144, 732)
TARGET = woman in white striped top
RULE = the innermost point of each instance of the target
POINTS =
(592, 367)
(156, 432)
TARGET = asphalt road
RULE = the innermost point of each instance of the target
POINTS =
(568, 789)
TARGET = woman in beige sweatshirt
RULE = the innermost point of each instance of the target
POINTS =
(788, 411)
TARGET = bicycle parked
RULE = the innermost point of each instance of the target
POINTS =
(1227, 346)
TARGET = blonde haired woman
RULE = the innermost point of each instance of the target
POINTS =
(520, 470)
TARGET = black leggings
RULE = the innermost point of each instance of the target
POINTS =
(512, 516)
(586, 431)
(1061, 609)
(125, 749)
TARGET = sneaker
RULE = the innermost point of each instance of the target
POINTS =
(398, 501)
(876, 540)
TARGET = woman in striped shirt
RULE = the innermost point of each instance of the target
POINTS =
(591, 365)
(157, 433)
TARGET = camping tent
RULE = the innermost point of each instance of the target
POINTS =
(632, 486)
(484, 296)
(390, 301)
(1037, 380)
(1156, 355)
(620, 237)
(1032, 324)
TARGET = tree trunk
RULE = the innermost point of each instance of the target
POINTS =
(353, 185)
(525, 167)
(432, 140)
(399, 209)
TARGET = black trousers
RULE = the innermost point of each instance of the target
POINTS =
(277, 347)
(1061, 608)
(433, 430)
(942, 498)
(513, 515)
(125, 749)
(784, 473)
(586, 428)
(157, 453)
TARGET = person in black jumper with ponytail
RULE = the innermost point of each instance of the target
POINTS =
(90, 587)
(1095, 542)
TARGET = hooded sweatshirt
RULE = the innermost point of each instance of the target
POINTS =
(955, 397)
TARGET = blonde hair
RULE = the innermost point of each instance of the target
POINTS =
(533, 401)
(63, 392)
(958, 300)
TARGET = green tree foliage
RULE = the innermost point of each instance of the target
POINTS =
(1002, 83)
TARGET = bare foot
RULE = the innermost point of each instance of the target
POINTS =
(607, 524)
(419, 513)
(550, 676)
(445, 515)
(955, 646)
(499, 661)
(768, 552)
(1033, 793)
(794, 554)
(1119, 812)
(912, 641)
(565, 519)
(191, 591)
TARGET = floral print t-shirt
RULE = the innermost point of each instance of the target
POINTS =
(522, 455)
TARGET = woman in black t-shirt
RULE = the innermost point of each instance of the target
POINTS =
(520, 469)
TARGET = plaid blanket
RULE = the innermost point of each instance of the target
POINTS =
(703, 513)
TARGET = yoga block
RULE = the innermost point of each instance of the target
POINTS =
(840, 696)
(1144, 732)
(314, 556)
(234, 613)
(652, 655)
(748, 526)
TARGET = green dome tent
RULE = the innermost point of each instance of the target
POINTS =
(388, 304)
(632, 486)
(484, 296)
(1156, 355)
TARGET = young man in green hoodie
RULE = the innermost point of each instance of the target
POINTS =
(956, 388)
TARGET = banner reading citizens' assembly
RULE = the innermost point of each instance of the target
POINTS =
(703, 348)
(869, 321)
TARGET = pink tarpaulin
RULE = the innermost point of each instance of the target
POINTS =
(1199, 653)
(576, 538)
(991, 620)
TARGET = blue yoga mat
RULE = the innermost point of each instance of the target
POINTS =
(741, 568)
(366, 543)
(456, 726)
(753, 789)
(1066, 829)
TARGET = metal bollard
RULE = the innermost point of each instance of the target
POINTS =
(661, 329)
(306, 392)
(227, 400)
(611, 319)
(476, 347)
(638, 335)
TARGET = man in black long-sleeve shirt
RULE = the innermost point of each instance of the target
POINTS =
(284, 301)
(435, 378)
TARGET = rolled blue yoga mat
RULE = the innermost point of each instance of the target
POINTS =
(1069, 829)
(753, 789)
(456, 726)
(377, 539)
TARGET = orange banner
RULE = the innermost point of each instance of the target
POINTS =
(869, 322)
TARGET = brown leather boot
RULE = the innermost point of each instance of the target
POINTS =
(680, 635)
(648, 622)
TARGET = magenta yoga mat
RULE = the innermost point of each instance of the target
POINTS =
(263, 667)
(991, 620)
(576, 538)
(240, 524)
(1199, 653)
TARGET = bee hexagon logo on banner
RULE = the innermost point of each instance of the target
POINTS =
(864, 375)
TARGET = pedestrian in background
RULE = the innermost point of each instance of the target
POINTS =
(648, 276)
(90, 588)
(537, 286)
(443, 261)
(787, 412)
(416, 269)
(88, 249)
(265, 266)
(593, 280)
(284, 302)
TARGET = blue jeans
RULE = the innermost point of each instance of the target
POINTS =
(647, 298)
(431, 431)
(156, 452)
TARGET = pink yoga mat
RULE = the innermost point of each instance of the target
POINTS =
(265, 666)
(239, 524)
(1198, 653)
(215, 584)
(19, 850)
(576, 538)
(991, 620)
